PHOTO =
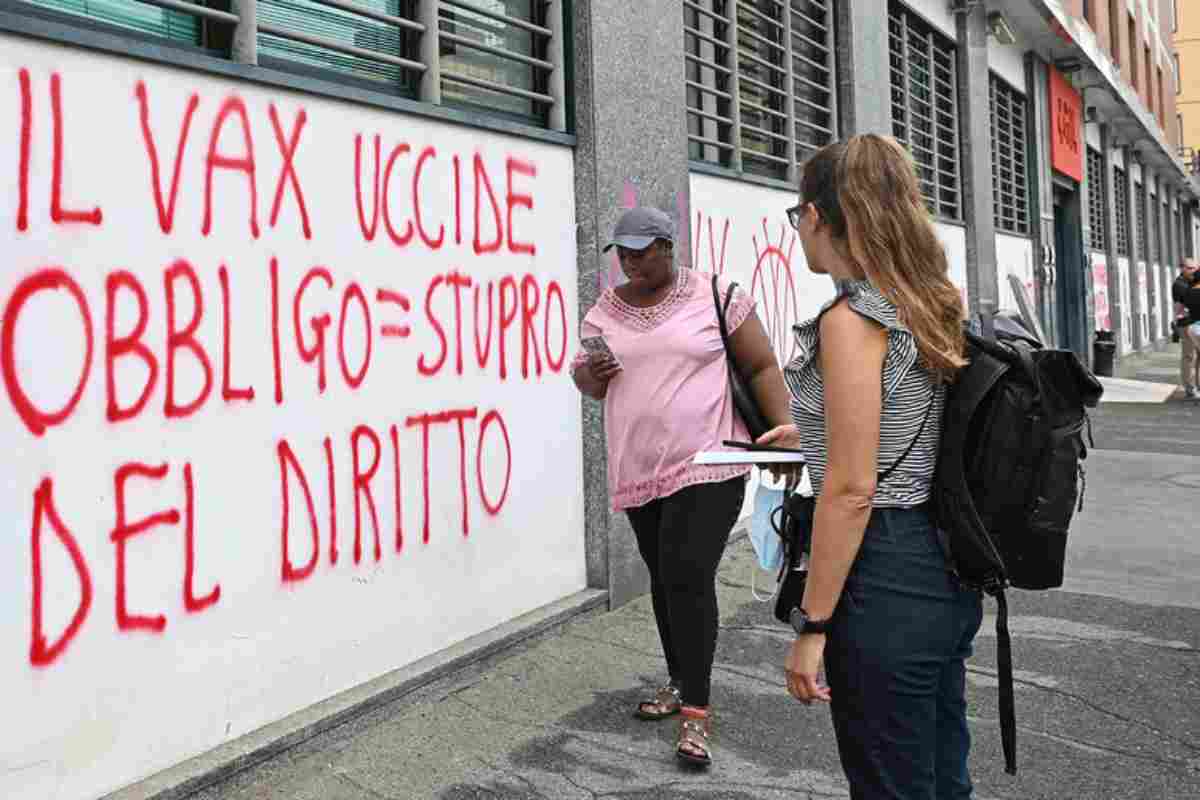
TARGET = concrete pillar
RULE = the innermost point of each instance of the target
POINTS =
(1142, 255)
(1041, 195)
(1134, 249)
(975, 137)
(632, 144)
(1110, 216)
(863, 68)
(244, 49)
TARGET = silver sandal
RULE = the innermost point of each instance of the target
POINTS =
(667, 702)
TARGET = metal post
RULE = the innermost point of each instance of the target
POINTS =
(431, 79)
(557, 88)
(244, 49)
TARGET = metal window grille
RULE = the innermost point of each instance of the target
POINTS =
(1010, 192)
(371, 40)
(759, 79)
(497, 56)
(1097, 218)
(1141, 234)
(924, 85)
(176, 20)
(1121, 201)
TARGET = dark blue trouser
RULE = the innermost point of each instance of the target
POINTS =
(895, 663)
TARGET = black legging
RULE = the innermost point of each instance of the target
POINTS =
(681, 538)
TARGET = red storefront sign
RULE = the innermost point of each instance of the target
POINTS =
(1066, 126)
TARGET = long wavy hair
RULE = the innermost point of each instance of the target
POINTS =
(865, 188)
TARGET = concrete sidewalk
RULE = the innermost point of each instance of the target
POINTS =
(1155, 366)
(1108, 695)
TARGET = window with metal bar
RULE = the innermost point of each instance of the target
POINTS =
(1097, 216)
(494, 55)
(759, 82)
(924, 85)
(1141, 235)
(1121, 201)
(1010, 185)
(376, 41)
(151, 19)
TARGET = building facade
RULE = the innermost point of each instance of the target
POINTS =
(294, 286)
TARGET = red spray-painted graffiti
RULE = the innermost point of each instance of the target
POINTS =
(525, 324)
(774, 287)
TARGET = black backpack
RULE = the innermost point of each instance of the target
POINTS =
(1010, 474)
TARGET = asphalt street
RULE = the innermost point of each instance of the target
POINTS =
(1108, 694)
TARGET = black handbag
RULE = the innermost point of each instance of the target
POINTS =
(743, 396)
(793, 522)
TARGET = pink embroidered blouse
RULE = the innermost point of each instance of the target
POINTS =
(672, 397)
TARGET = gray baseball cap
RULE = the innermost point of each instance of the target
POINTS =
(639, 227)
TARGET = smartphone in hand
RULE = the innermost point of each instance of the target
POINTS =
(597, 345)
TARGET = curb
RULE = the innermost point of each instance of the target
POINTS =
(226, 760)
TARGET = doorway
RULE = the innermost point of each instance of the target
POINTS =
(1070, 285)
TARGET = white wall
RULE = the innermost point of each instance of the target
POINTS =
(129, 691)
(1102, 307)
(954, 239)
(936, 13)
(1127, 318)
(741, 229)
(1014, 256)
(1008, 61)
(1142, 300)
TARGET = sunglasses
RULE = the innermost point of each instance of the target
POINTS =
(795, 213)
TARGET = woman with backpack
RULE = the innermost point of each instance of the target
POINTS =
(868, 387)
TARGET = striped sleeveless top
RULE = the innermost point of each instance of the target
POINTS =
(908, 390)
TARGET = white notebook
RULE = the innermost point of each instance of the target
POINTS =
(746, 457)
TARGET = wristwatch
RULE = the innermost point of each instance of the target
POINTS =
(806, 624)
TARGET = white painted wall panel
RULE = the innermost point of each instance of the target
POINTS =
(478, 465)
(1014, 256)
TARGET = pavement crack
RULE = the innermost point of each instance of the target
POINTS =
(591, 792)
(1105, 749)
(530, 785)
(362, 787)
(618, 645)
(1097, 708)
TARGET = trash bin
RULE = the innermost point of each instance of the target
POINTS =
(1104, 354)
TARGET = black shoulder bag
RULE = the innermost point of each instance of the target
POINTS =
(793, 522)
(743, 396)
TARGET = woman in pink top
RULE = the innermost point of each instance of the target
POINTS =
(666, 397)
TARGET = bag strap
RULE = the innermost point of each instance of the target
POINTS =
(1004, 665)
(924, 421)
(721, 311)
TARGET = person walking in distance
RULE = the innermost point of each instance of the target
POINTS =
(1189, 367)
(655, 357)
(868, 386)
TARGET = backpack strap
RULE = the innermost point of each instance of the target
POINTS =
(924, 421)
(1004, 666)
